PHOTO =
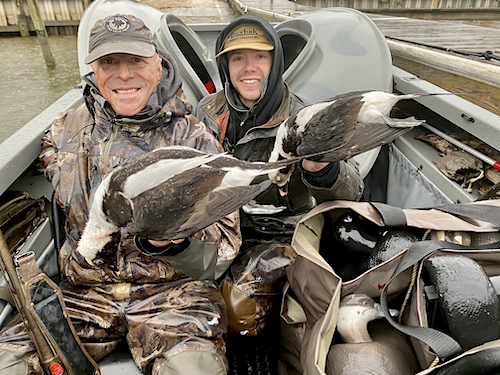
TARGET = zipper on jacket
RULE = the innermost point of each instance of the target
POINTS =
(110, 141)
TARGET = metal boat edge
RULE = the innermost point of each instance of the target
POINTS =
(19, 153)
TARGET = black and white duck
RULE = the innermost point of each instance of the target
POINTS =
(341, 127)
(170, 194)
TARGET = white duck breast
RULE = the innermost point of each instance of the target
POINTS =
(342, 127)
(171, 193)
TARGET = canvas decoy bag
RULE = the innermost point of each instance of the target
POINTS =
(313, 291)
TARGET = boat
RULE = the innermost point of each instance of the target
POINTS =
(327, 52)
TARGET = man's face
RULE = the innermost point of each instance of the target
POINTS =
(127, 81)
(247, 68)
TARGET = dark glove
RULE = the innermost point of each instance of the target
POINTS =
(146, 248)
(325, 177)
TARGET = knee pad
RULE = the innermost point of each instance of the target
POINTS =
(194, 362)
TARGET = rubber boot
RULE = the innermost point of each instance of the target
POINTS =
(195, 362)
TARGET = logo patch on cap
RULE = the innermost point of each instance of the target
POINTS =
(247, 37)
(118, 24)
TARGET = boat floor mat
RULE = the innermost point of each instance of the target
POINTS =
(252, 355)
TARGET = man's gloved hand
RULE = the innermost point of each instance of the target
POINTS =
(319, 173)
(165, 247)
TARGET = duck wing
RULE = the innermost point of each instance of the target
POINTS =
(367, 137)
(174, 192)
(338, 132)
(187, 203)
(331, 128)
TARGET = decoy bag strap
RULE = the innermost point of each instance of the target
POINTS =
(443, 345)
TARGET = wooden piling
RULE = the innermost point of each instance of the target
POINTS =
(21, 18)
(41, 33)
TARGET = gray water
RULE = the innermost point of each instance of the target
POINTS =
(27, 85)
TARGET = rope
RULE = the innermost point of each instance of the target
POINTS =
(412, 283)
(434, 363)
(408, 292)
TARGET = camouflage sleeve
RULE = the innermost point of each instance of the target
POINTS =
(349, 185)
(49, 150)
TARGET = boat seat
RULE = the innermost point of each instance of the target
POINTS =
(334, 51)
(198, 69)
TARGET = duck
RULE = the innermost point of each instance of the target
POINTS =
(170, 194)
(368, 345)
(341, 127)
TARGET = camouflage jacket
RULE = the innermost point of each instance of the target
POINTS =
(86, 142)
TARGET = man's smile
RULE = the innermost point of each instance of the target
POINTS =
(124, 91)
(249, 81)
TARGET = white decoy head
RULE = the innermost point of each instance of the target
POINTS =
(355, 312)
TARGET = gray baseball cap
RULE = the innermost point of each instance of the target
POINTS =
(120, 34)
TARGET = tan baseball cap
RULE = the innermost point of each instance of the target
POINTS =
(120, 34)
(247, 37)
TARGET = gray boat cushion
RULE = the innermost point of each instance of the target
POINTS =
(13, 363)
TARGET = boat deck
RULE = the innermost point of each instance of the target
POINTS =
(440, 34)
(454, 47)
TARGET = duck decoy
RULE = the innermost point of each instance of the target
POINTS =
(467, 306)
(357, 245)
(368, 346)
(170, 194)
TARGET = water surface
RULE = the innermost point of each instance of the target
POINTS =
(28, 86)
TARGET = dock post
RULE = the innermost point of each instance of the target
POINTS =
(41, 33)
(21, 18)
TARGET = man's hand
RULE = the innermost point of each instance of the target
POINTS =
(165, 243)
(313, 166)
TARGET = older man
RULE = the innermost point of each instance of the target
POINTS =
(133, 104)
